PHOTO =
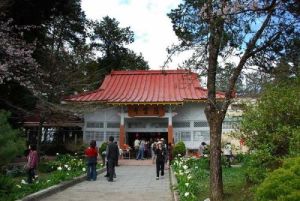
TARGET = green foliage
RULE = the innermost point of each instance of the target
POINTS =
(64, 167)
(271, 128)
(10, 143)
(282, 184)
(241, 158)
(179, 149)
(111, 40)
(103, 147)
(190, 173)
(294, 148)
(15, 170)
(6, 186)
(259, 164)
(274, 119)
(192, 176)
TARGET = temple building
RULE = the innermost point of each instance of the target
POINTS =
(165, 104)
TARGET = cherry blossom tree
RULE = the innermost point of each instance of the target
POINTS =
(16, 61)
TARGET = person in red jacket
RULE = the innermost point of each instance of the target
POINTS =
(32, 161)
(91, 154)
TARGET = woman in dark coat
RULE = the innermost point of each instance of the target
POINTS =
(160, 153)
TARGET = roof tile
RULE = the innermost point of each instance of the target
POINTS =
(142, 87)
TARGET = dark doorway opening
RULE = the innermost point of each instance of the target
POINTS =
(130, 137)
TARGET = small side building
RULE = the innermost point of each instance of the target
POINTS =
(165, 104)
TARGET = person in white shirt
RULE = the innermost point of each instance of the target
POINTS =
(136, 146)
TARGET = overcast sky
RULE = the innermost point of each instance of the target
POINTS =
(147, 19)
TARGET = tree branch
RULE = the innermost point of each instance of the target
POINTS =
(245, 57)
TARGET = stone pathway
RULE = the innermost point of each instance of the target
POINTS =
(135, 182)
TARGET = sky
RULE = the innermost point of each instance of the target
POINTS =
(147, 19)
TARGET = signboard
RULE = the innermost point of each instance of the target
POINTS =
(146, 110)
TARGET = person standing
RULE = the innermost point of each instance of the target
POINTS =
(202, 148)
(160, 159)
(117, 160)
(91, 154)
(136, 146)
(153, 148)
(141, 151)
(32, 161)
(228, 153)
(111, 157)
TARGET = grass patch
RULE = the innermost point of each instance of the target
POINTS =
(195, 172)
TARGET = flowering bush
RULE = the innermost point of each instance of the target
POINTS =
(64, 167)
(190, 172)
(179, 149)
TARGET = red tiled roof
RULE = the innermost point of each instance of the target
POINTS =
(146, 87)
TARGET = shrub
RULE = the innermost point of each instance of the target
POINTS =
(179, 149)
(52, 149)
(15, 170)
(102, 147)
(259, 164)
(11, 144)
(45, 167)
(241, 158)
(6, 186)
(282, 184)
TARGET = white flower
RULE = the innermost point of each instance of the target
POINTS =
(207, 199)
(66, 166)
(187, 184)
(68, 174)
(83, 169)
(19, 186)
(23, 181)
(48, 180)
(59, 168)
(75, 154)
(196, 167)
(185, 167)
(69, 168)
(57, 154)
(179, 155)
(189, 177)
(186, 194)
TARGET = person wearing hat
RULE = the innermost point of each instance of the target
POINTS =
(160, 152)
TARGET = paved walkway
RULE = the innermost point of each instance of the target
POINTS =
(135, 182)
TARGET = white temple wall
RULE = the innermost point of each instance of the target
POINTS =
(189, 124)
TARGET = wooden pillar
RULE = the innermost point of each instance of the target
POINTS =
(170, 134)
(170, 127)
(122, 136)
(122, 129)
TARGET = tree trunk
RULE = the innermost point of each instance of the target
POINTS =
(215, 120)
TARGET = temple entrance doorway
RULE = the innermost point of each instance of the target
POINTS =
(147, 136)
